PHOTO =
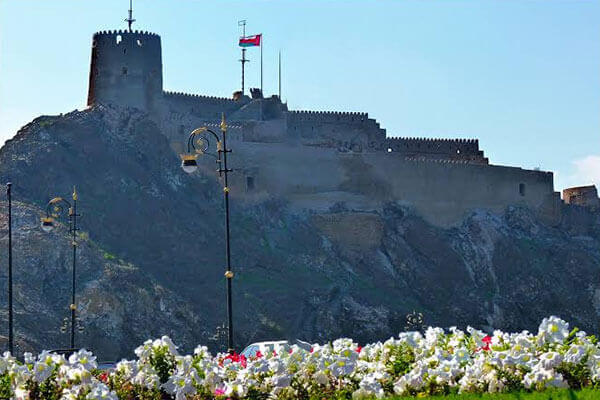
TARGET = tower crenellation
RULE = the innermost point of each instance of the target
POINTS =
(126, 69)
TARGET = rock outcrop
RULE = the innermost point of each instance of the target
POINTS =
(152, 253)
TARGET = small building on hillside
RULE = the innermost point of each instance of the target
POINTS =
(585, 196)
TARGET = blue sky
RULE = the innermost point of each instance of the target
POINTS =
(521, 76)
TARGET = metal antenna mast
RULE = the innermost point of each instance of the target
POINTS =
(130, 20)
(243, 60)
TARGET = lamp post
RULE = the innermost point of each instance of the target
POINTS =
(10, 283)
(53, 211)
(189, 164)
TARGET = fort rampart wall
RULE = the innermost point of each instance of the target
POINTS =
(357, 163)
(200, 106)
(452, 149)
(442, 191)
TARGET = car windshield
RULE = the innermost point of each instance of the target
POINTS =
(250, 351)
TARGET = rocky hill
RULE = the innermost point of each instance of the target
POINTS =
(152, 255)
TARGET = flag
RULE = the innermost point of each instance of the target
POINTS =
(250, 41)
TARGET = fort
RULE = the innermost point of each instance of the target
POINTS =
(316, 160)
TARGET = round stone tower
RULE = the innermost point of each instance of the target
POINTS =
(126, 69)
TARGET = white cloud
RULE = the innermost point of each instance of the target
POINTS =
(587, 170)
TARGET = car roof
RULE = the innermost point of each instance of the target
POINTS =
(268, 343)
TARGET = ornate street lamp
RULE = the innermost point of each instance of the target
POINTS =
(198, 144)
(54, 209)
(414, 322)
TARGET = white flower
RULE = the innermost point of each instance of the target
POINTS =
(21, 393)
(180, 386)
(575, 354)
(235, 388)
(28, 358)
(553, 330)
(280, 381)
(541, 378)
(42, 371)
(127, 369)
(202, 352)
(550, 359)
(369, 386)
(101, 392)
(342, 366)
(83, 358)
(321, 378)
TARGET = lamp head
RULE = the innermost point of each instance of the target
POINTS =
(189, 163)
(47, 224)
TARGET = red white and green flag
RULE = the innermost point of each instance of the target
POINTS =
(251, 41)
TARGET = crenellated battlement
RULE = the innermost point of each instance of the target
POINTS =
(433, 140)
(200, 106)
(437, 149)
(125, 32)
(198, 96)
(327, 116)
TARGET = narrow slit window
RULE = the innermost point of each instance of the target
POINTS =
(522, 189)
(249, 183)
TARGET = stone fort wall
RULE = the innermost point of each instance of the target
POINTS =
(356, 132)
(206, 107)
(280, 150)
(126, 69)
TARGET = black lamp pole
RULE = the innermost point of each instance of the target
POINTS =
(228, 273)
(53, 209)
(11, 348)
(73, 216)
(190, 165)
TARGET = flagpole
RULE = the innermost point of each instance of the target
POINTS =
(279, 75)
(262, 42)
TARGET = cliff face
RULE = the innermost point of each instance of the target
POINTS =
(152, 255)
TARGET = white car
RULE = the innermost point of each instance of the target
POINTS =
(268, 347)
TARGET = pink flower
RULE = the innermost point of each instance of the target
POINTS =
(487, 340)
(219, 392)
(359, 349)
(104, 377)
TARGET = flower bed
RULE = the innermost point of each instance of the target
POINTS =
(436, 362)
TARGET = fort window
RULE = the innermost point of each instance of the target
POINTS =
(119, 39)
(139, 42)
(124, 70)
(124, 51)
(522, 189)
(249, 183)
(458, 151)
(389, 149)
